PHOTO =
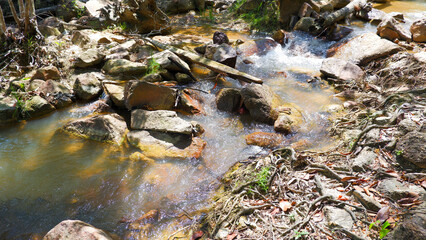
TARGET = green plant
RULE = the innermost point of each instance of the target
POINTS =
(123, 26)
(79, 10)
(298, 234)
(262, 178)
(383, 228)
(265, 17)
(399, 152)
(153, 66)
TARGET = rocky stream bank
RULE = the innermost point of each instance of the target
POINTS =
(141, 85)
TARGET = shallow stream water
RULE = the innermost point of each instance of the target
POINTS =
(47, 176)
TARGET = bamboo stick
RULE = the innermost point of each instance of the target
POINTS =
(21, 8)
(27, 16)
(2, 24)
(15, 14)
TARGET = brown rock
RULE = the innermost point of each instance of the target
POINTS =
(149, 96)
(281, 36)
(160, 145)
(267, 140)
(418, 30)
(390, 29)
(259, 101)
(190, 102)
(47, 73)
(259, 46)
(283, 124)
(75, 229)
(228, 99)
(289, 8)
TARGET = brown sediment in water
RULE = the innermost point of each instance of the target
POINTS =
(401, 6)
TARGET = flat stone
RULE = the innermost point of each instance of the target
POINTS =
(367, 201)
(47, 73)
(337, 217)
(109, 128)
(396, 190)
(124, 67)
(341, 70)
(365, 158)
(160, 145)
(149, 96)
(365, 48)
(89, 58)
(267, 140)
(75, 229)
(116, 94)
(160, 120)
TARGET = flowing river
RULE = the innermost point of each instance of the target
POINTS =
(47, 176)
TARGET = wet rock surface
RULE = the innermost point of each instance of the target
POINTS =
(103, 128)
(341, 70)
(75, 229)
(161, 120)
(149, 96)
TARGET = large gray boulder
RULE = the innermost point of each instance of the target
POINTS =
(160, 120)
(412, 148)
(412, 227)
(396, 190)
(146, 95)
(87, 86)
(365, 48)
(341, 70)
(104, 128)
(75, 229)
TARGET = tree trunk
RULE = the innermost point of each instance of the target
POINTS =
(27, 17)
(340, 14)
(2, 25)
(205, 62)
(21, 8)
(14, 13)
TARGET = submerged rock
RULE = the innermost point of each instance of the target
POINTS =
(161, 120)
(149, 96)
(365, 48)
(418, 30)
(87, 86)
(160, 145)
(412, 148)
(259, 46)
(75, 229)
(104, 128)
(341, 70)
(267, 140)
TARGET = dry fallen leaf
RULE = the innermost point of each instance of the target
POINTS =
(197, 235)
(383, 214)
(275, 211)
(341, 198)
(285, 205)
(231, 236)
(345, 179)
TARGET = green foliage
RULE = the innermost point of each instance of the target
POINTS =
(383, 228)
(80, 11)
(207, 15)
(399, 152)
(298, 234)
(262, 178)
(264, 18)
(153, 66)
(20, 102)
(123, 26)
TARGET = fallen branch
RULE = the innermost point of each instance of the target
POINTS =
(205, 62)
